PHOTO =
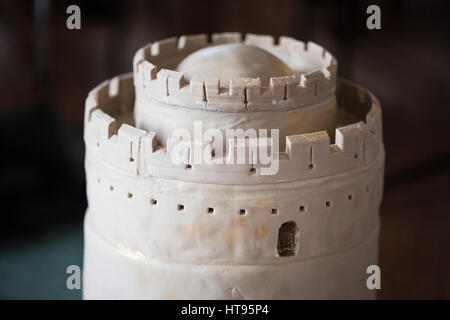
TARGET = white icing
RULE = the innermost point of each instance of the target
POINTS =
(152, 115)
(158, 231)
(115, 273)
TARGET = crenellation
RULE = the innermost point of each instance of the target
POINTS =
(350, 140)
(292, 88)
(262, 41)
(312, 80)
(231, 100)
(287, 93)
(192, 42)
(138, 58)
(292, 45)
(212, 87)
(312, 154)
(237, 88)
(113, 87)
(314, 50)
(197, 90)
(278, 89)
(164, 47)
(306, 155)
(105, 125)
(294, 150)
(145, 72)
(141, 55)
(101, 92)
(128, 147)
(115, 95)
(373, 134)
(122, 92)
(329, 59)
(257, 97)
(119, 146)
(226, 37)
(318, 148)
(96, 97)
(149, 144)
(169, 82)
(90, 105)
(175, 82)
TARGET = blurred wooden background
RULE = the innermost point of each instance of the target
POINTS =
(47, 70)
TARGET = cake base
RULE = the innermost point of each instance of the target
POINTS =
(116, 272)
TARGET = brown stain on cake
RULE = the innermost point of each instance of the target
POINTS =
(260, 231)
(193, 231)
(261, 204)
(239, 222)
(231, 239)
(172, 295)
(142, 278)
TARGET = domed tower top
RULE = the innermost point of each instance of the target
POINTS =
(234, 60)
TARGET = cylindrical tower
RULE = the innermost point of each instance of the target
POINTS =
(174, 212)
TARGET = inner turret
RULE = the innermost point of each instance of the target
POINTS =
(236, 60)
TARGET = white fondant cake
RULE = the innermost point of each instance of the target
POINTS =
(176, 213)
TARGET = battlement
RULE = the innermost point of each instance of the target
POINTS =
(152, 75)
(306, 156)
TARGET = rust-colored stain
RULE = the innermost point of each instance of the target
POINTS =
(260, 231)
(194, 230)
(231, 239)
(172, 295)
(239, 222)
(142, 278)
(261, 204)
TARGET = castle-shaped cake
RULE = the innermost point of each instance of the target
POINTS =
(232, 168)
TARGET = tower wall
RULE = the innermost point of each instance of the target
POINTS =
(157, 229)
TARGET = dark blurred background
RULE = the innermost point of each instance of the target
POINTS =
(47, 71)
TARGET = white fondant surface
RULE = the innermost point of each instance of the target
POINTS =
(118, 273)
(122, 211)
(159, 230)
(152, 115)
